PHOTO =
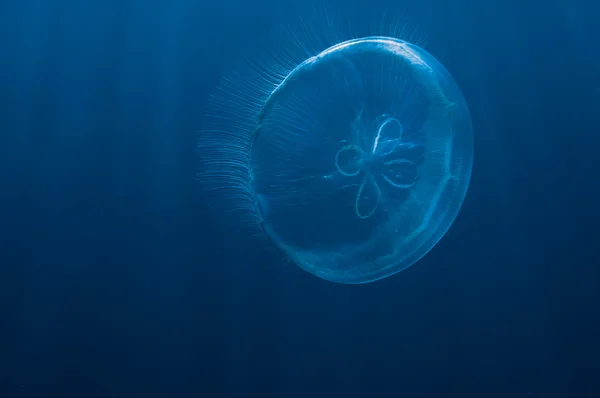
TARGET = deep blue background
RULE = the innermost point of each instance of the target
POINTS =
(116, 282)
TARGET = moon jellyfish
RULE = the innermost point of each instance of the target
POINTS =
(353, 159)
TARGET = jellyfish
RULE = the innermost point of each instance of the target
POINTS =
(351, 156)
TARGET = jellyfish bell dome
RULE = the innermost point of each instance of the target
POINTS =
(357, 162)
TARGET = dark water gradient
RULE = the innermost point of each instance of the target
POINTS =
(115, 282)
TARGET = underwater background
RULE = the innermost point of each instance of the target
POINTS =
(116, 281)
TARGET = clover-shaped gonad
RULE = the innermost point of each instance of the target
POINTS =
(382, 157)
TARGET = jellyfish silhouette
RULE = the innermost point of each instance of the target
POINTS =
(351, 155)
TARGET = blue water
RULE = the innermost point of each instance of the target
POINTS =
(116, 281)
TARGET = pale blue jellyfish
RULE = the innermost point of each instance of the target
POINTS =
(354, 162)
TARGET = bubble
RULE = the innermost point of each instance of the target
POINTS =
(356, 163)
